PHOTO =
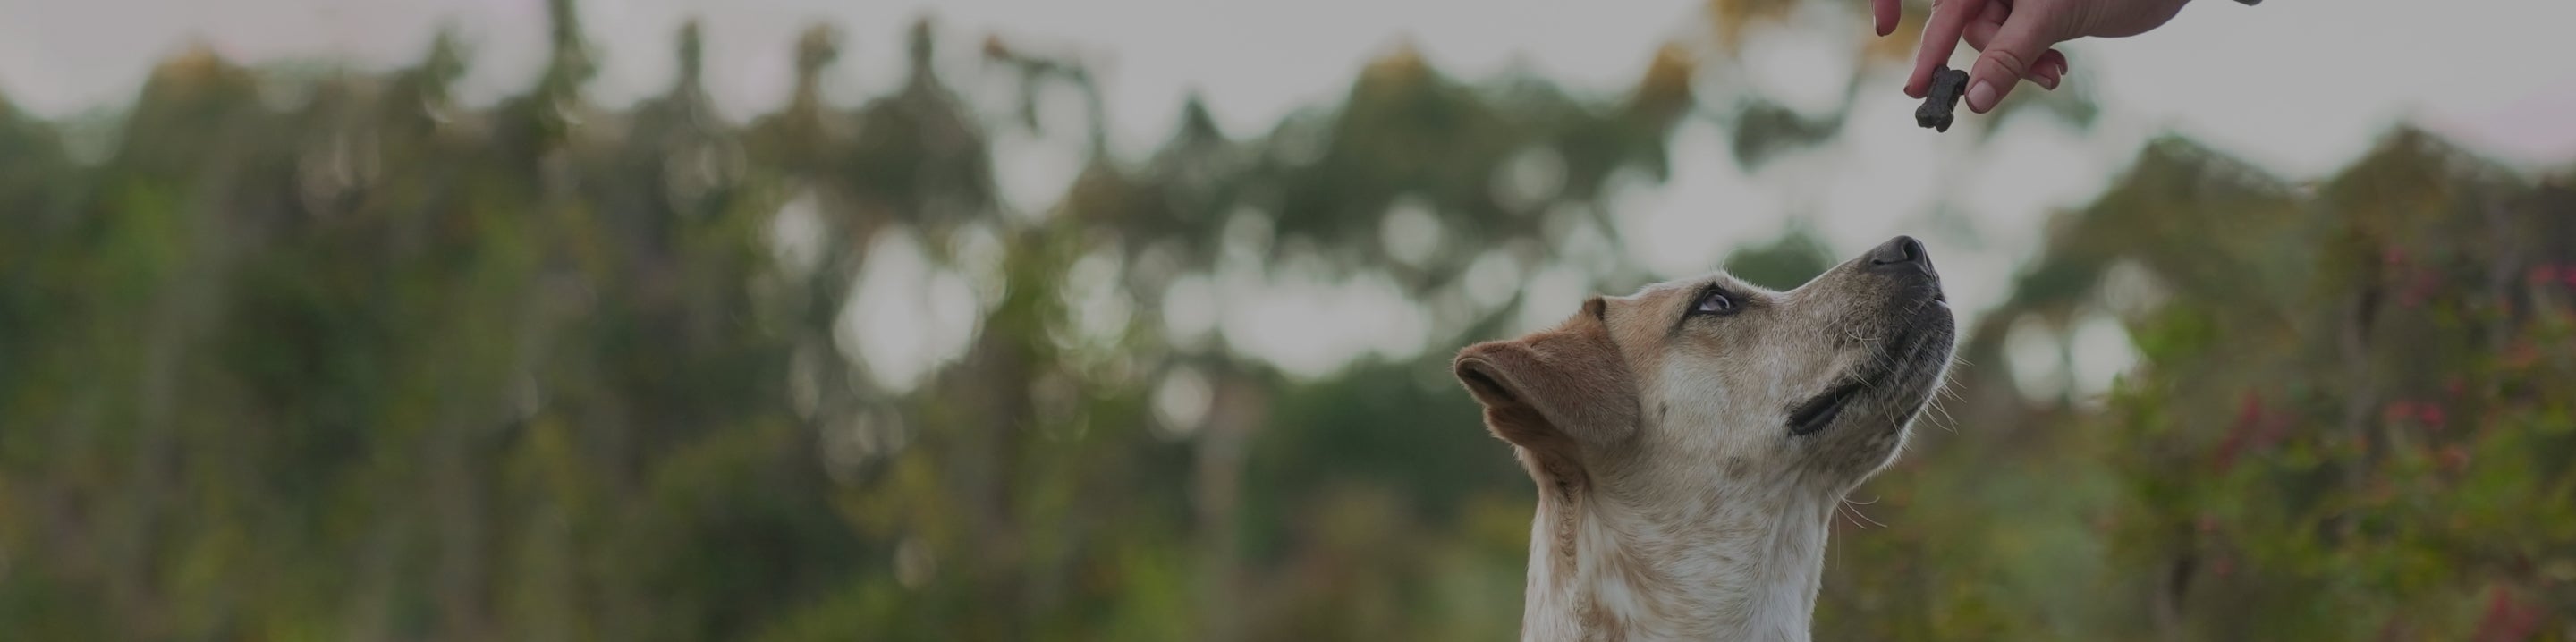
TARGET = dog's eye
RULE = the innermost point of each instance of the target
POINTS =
(1714, 301)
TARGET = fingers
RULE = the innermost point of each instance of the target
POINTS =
(2014, 52)
(1888, 13)
(2049, 70)
(1941, 35)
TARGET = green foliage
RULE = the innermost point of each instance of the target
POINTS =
(1786, 263)
(2350, 420)
(376, 365)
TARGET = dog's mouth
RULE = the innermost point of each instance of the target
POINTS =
(1820, 411)
(1918, 352)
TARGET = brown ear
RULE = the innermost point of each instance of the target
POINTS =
(1554, 392)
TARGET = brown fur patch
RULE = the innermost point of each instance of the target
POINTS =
(1555, 393)
(1600, 625)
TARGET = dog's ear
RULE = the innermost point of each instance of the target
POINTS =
(1555, 392)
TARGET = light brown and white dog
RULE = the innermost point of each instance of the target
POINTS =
(1692, 441)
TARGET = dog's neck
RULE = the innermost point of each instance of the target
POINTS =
(1605, 566)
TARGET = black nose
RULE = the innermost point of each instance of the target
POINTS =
(1900, 253)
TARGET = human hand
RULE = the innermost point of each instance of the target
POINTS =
(2016, 37)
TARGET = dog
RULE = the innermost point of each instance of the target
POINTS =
(1691, 441)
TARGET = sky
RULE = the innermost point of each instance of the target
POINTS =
(2297, 86)
(2289, 83)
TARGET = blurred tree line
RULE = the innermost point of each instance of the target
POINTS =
(337, 357)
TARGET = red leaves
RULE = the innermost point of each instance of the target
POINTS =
(2507, 617)
(2248, 413)
(2428, 413)
(2547, 274)
(2451, 458)
(2257, 428)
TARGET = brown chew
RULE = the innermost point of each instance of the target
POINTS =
(1947, 85)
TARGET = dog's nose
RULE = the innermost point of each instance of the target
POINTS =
(1902, 253)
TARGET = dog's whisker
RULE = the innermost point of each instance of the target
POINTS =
(1851, 510)
(1872, 521)
(1850, 515)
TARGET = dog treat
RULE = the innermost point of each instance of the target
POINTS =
(1947, 86)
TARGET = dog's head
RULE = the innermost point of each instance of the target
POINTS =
(1712, 381)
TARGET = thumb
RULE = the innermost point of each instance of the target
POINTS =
(2008, 58)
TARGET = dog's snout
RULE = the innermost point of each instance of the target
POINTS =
(1900, 254)
(1899, 250)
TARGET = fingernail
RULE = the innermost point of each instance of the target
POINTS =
(1981, 97)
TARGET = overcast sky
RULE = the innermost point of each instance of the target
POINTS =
(2291, 82)
(2299, 86)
